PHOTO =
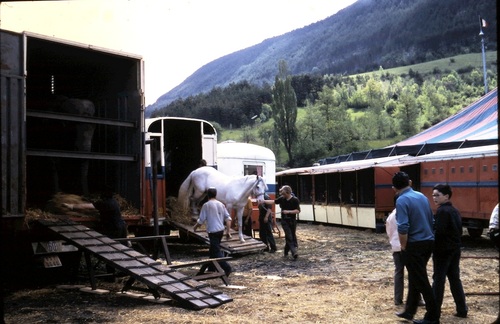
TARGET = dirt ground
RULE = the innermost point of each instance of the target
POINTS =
(342, 275)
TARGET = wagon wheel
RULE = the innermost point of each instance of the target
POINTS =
(475, 232)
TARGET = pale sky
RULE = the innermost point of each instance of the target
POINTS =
(174, 37)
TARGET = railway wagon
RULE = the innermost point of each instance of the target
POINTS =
(48, 148)
(353, 193)
(359, 193)
(240, 159)
(473, 175)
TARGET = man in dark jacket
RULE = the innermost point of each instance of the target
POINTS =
(446, 256)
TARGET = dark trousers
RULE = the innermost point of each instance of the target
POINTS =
(447, 264)
(215, 251)
(399, 277)
(266, 233)
(415, 257)
(289, 225)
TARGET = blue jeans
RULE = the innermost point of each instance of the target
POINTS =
(447, 264)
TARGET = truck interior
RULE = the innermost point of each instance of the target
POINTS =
(57, 71)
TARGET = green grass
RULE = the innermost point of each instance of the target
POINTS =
(451, 63)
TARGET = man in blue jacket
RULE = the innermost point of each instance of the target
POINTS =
(414, 218)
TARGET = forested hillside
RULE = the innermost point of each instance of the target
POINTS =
(363, 37)
(342, 114)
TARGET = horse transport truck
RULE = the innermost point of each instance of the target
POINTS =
(72, 121)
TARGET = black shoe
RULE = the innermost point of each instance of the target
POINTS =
(462, 315)
(228, 272)
(405, 315)
(266, 249)
(272, 251)
(295, 256)
(424, 321)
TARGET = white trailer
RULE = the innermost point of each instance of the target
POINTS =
(240, 159)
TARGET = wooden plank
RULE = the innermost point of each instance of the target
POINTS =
(231, 246)
(199, 262)
(162, 280)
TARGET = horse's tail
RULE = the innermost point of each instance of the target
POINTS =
(184, 191)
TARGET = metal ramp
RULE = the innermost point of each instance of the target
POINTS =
(159, 278)
(229, 247)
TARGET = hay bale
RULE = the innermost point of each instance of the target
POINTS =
(56, 206)
(177, 213)
(125, 207)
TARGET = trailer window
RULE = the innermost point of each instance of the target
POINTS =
(253, 169)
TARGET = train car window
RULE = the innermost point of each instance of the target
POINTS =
(433, 171)
(305, 190)
(441, 170)
(348, 187)
(494, 167)
(461, 169)
(366, 187)
(485, 168)
(320, 192)
(471, 169)
(453, 170)
(333, 185)
(425, 171)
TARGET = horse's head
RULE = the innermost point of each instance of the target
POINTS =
(259, 189)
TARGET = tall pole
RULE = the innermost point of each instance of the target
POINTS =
(481, 34)
(154, 190)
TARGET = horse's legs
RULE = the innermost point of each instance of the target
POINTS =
(239, 214)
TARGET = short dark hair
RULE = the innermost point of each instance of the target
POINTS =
(444, 189)
(211, 192)
(400, 180)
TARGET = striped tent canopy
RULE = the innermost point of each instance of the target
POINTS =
(476, 122)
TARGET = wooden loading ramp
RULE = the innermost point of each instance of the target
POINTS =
(229, 247)
(159, 278)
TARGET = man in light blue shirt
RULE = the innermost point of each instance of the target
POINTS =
(215, 214)
(415, 219)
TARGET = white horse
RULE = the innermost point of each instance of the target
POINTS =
(232, 192)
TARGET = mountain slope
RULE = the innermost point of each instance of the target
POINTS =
(359, 38)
